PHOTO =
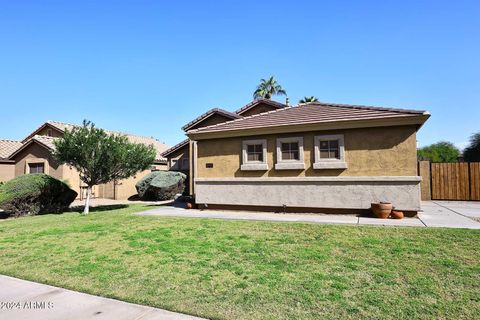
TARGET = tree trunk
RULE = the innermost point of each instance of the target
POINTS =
(87, 200)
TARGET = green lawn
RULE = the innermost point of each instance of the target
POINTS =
(250, 270)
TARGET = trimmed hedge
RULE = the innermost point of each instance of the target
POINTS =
(33, 194)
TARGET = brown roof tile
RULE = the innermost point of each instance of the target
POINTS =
(310, 113)
(175, 147)
(207, 114)
(62, 126)
(7, 147)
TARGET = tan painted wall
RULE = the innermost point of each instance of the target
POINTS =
(37, 153)
(258, 109)
(55, 133)
(7, 171)
(382, 151)
(179, 155)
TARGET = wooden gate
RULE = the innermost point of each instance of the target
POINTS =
(455, 181)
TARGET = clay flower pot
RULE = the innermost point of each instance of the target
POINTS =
(381, 210)
(397, 214)
(189, 205)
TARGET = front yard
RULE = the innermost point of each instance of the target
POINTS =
(250, 270)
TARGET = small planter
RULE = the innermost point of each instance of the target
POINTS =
(397, 214)
(189, 205)
(381, 210)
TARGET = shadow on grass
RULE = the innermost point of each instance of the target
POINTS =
(100, 208)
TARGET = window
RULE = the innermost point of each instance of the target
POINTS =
(49, 132)
(36, 168)
(329, 152)
(290, 154)
(254, 155)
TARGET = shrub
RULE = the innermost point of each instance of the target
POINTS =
(33, 194)
(161, 185)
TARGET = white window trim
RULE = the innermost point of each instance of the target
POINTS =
(254, 165)
(290, 164)
(330, 163)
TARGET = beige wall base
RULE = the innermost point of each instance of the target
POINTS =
(311, 192)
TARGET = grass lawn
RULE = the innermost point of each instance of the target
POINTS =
(250, 270)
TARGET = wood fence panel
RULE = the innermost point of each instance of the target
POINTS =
(455, 181)
(475, 181)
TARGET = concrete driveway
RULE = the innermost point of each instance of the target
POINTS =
(25, 300)
(451, 214)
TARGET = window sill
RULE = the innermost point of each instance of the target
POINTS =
(254, 167)
(330, 165)
(290, 166)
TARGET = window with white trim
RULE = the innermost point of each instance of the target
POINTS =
(330, 152)
(254, 155)
(290, 154)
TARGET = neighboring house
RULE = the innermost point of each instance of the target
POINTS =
(7, 167)
(179, 156)
(34, 155)
(309, 157)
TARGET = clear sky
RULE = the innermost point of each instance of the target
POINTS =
(149, 67)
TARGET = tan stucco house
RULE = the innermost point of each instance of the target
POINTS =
(310, 157)
(7, 166)
(34, 155)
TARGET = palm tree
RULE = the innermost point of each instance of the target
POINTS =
(308, 99)
(268, 88)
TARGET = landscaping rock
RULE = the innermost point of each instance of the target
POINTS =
(33, 194)
(161, 185)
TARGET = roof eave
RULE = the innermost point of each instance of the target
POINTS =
(26, 144)
(333, 125)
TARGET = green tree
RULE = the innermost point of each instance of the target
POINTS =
(100, 157)
(308, 99)
(442, 151)
(268, 88)
(472, 152)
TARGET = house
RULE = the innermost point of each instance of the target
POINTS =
(7, 167)
(34, 155)
(310, 157)
(178, 156)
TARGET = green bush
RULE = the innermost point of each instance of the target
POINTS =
(161, 185)
(33, 194)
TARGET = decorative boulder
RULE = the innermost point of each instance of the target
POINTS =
(33, 194)
(161, 185)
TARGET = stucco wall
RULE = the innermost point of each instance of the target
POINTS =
(7, 171)
(37, 153)
(179, 155)
(378, 151)
(311, 192)
(54, 132)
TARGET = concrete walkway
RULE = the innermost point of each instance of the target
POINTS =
(450, 214)
(280, 217)
(435, 214)
(25, 300)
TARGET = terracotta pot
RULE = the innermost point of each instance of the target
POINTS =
(189, 205)
(381, 210)
(397, 214)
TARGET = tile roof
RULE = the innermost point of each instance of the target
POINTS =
(207, 114)
(175, 147)
(310, 113)
(272, 103)
(7, 147)
(62, 126)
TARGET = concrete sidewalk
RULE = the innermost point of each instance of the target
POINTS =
(279, 217)
(435, 214)
(25, 300)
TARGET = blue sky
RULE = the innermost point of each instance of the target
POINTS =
(149, 67)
